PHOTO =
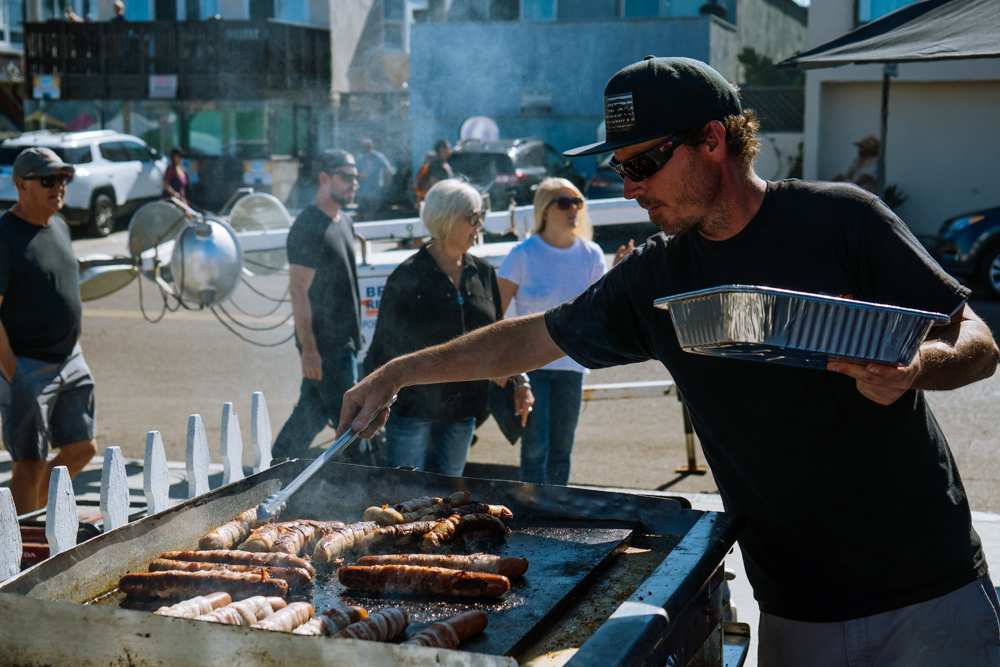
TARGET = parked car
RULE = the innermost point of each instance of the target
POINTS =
(605, 183)
(115, 174)
(510, 167)
(968, 246)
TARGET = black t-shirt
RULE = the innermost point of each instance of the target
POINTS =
(327, 246)
(420, 307)
(40, 283)
(851, 508)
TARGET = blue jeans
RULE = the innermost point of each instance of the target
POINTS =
(429, 444)
(319, 404)
(547, 442)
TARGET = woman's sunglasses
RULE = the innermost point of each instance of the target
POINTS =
(566, 203)
(52, 180)
(645, 164)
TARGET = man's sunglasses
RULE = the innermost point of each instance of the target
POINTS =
(348, 176)
(645, 164)
(52, 180)
(477, 218)
(566, 203)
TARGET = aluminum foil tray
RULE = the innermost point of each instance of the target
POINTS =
(794, 328)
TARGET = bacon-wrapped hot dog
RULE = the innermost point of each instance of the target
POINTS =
(382, 626)
(288, 618)
(296, 577)
(196, 606)
(509, 567)
(228, 535)
(401, 534)
(451, 632)
(340, 541)
(236, 557)
(176, 584)
(442, 533)
(416, 579)
(383, 516)
(332, 621)
(245, 612)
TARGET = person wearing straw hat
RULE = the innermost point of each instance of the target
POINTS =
(858, 537)
(46, 389)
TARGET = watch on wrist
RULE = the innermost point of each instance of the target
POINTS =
(521, 380)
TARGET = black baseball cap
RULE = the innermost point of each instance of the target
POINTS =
(335, 158)
(656, 97)
(40, 161)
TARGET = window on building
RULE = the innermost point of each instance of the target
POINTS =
(293, 11)
(207, 9)
(869, 10)
(139, 10)
(11, 22)
(394, 25)
(538, 10)
(587, 10)
(644, 8)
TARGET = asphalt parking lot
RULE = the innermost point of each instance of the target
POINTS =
(152, 376)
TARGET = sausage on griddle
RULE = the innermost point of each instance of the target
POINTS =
(228, 535)
(236, 557)
(383, 516)
(177, 584)
(442, 533)
(245, 612)
(296, 577)
(196, 606)
(419, 580)
(288, 618)
(382, 626)
(451, 632)
(340, 541)
(509, 567)
(332, 621)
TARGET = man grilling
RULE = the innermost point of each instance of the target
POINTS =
(858, 537)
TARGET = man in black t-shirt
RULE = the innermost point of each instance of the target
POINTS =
(323, 285)
(858, 538)
(46, 390)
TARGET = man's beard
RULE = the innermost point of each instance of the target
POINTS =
(699, 192)
(342, 200)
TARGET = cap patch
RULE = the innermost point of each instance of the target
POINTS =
(619, 113)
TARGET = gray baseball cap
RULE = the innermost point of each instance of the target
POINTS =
(35, 162)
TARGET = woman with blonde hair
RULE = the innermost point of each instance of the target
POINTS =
(438, 294)
(554, 265)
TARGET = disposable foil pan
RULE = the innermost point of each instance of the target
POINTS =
(794, 328)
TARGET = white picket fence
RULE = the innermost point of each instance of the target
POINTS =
(61, 518)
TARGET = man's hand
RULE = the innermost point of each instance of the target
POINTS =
(623, 252)
(365, 399)
(881, 383)
(312, 365)
(524, 403)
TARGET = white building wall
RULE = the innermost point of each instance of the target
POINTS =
(942, 143)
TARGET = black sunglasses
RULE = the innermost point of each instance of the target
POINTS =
(645, 164)
(52, 180)
(566, 203)
(348, 175)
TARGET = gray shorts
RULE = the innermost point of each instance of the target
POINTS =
(47, 404)
(961, 628)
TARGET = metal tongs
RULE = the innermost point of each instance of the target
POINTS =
(275, 503)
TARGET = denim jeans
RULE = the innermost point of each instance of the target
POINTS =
(429, 444)
(319, 404)
(547, 442)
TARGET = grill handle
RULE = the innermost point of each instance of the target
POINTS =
(274, 504)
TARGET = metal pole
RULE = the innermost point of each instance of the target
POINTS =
(889, 70)
(692, 467)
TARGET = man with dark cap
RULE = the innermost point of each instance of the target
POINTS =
(323, 286)
(857, 534)
(46, 389)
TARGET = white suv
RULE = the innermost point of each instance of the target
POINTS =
(115, 174)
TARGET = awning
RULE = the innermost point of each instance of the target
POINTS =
(923, 31)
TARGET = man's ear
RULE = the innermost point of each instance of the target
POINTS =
(715, 135)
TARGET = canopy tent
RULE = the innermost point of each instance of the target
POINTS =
(924, 31)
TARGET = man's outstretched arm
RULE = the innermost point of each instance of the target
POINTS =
(499, 350)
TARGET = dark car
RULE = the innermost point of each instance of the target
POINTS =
(605, 183)
(510, 168)
(968, 246)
